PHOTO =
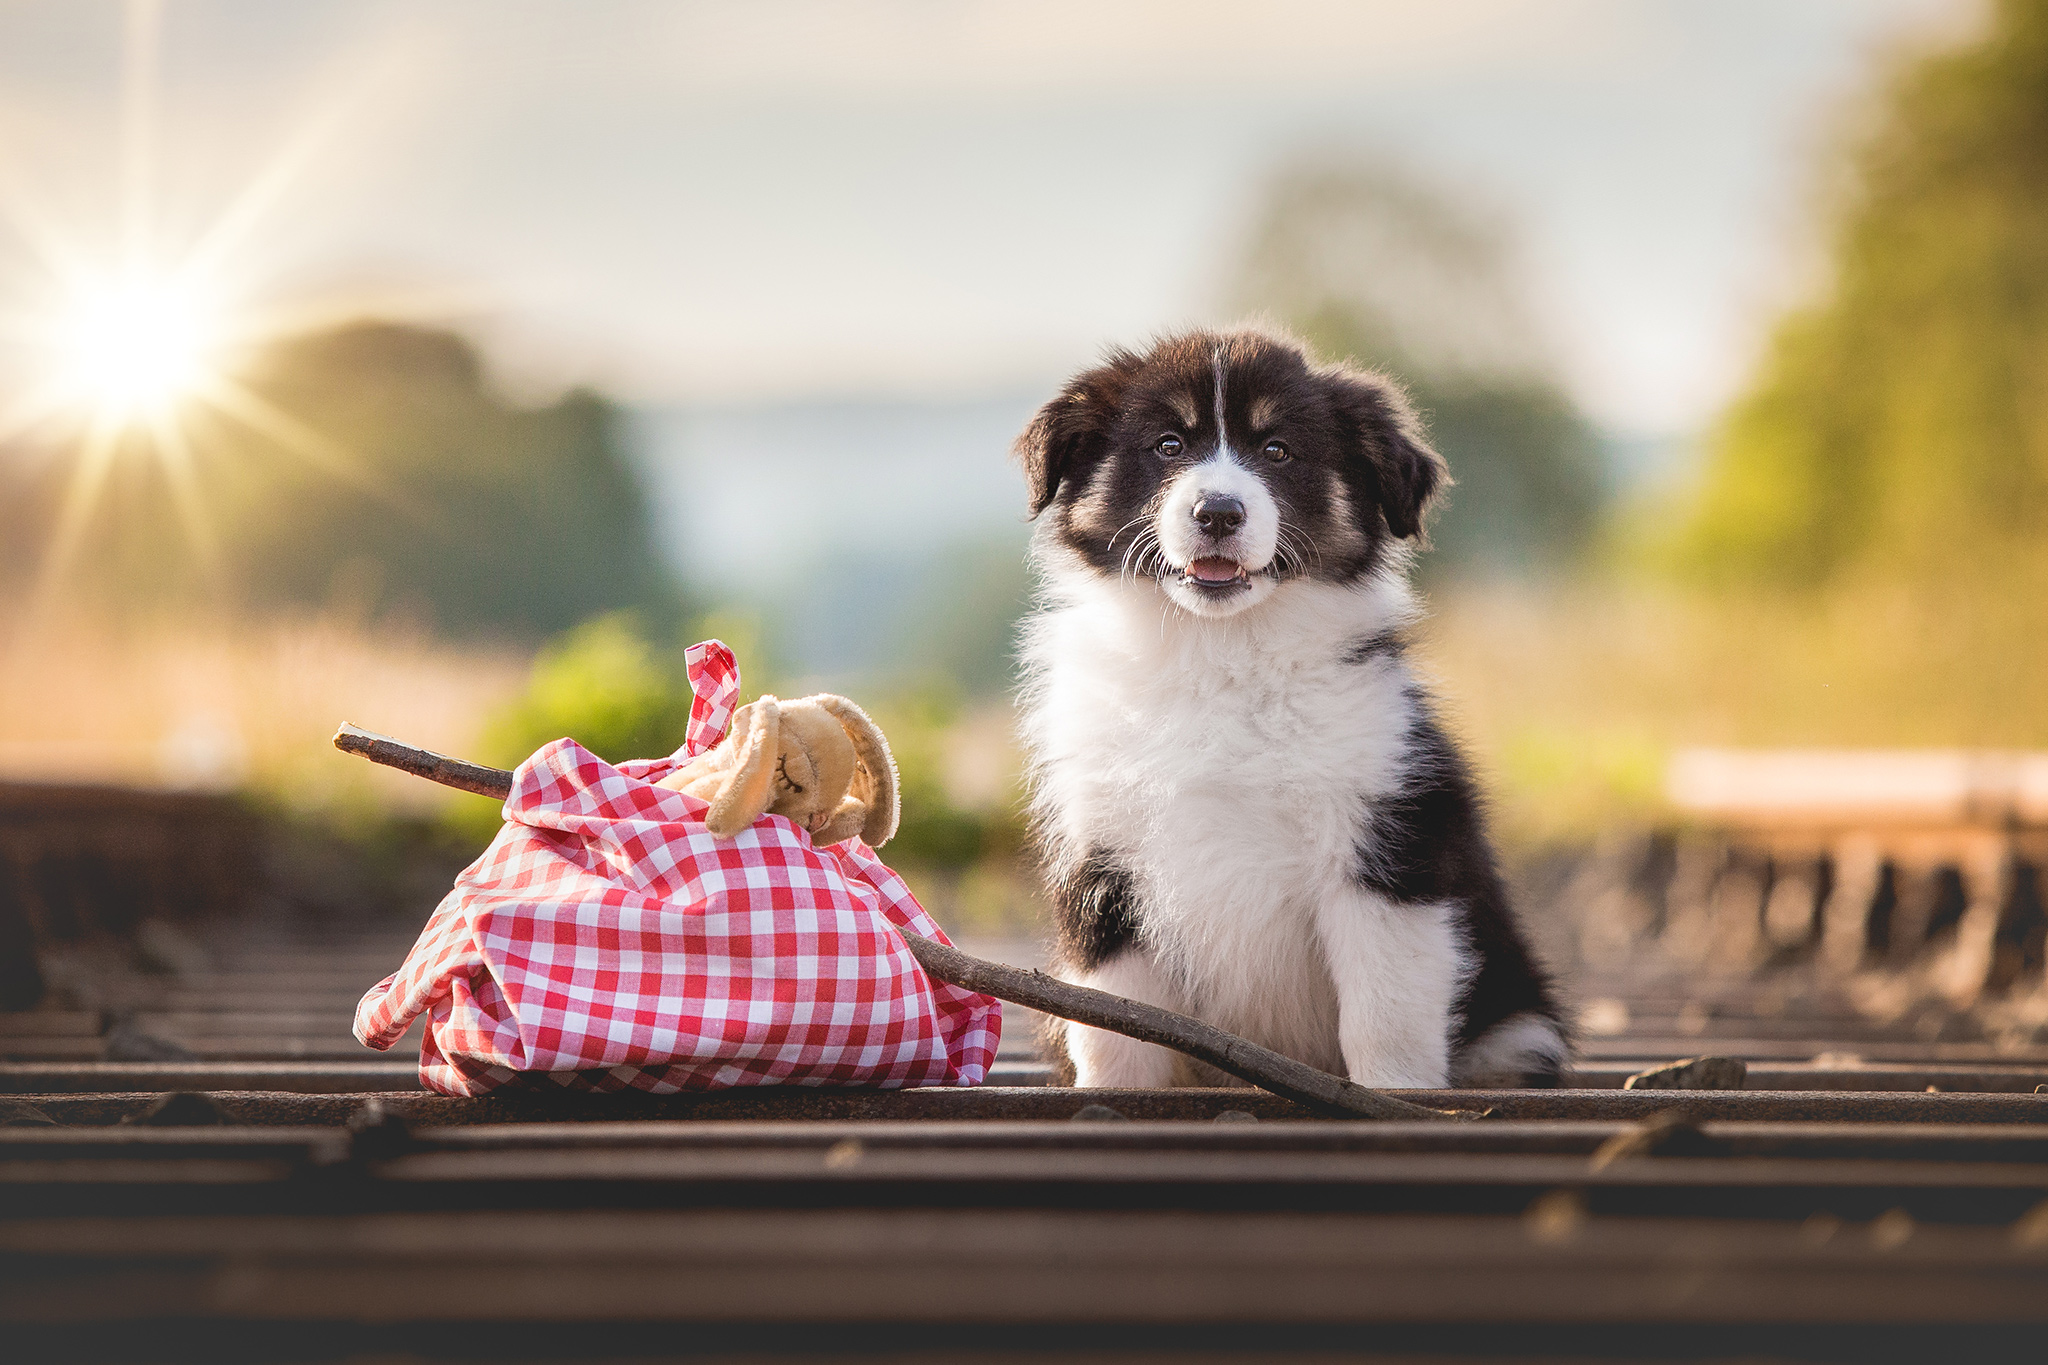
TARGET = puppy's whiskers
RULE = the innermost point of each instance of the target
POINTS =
(1142, 516)
(1296, 548)
(1138, 556)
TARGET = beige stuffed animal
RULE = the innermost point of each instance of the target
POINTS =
(819, 760)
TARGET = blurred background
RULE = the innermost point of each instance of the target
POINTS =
(447, 368)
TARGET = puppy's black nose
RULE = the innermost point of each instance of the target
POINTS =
(1219, 516)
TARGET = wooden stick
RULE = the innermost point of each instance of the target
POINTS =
(449, 772)
(1239, 1057)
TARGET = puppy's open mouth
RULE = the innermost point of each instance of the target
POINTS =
(1216, 575)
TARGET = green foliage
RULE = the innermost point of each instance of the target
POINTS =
(1525, 461)
(602, 685)
(961, 625)
(1369, 265)
(605, 685)
(1899, 425)
(371, 469)
(935, 831)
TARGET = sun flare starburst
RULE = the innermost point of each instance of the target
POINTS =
(137, 344)
(118, 358)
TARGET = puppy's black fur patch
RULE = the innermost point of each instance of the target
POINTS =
(1379, 645)
(1097, 911)
(1429, 844)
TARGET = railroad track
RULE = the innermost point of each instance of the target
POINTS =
(197, 1162)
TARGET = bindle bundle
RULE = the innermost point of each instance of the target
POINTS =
(1227, 1052)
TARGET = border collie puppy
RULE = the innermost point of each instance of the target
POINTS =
(1247, 808)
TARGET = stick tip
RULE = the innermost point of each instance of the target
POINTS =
(352, 739)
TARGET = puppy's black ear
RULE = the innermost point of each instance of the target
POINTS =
(1386, 435)
(1070, 430)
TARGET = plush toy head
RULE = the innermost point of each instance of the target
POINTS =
(820, 761)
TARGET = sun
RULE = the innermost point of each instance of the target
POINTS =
(135, 351)
(137, 345)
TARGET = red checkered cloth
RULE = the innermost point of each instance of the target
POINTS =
(609, 941)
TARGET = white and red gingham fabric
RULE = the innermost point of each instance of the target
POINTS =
(608, 940)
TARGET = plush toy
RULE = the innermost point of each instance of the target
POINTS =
(818, 760)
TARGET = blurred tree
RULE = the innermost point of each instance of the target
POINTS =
(902, 615)
(376, 472)
(1371, 265)
(1899, 424)
(961, 622)
(934, 832)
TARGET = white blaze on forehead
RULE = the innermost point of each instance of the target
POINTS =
(1222, 427)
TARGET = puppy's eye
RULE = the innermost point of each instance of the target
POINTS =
(1277, 452)
(1169, 446)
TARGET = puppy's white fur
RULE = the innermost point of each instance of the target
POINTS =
(1228, 764)
(1253, 545)
(1513, 1048)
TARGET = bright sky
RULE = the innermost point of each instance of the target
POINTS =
(932, 197)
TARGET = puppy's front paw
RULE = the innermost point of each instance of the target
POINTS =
(1521, 1051)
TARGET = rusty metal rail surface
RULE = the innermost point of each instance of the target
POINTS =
(198, 1162)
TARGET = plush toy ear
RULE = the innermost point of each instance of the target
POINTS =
(874, 781)
(1387, 435)
(748, 787)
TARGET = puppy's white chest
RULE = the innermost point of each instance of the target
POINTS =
(1232, 792)
(1221, 771)
(1268, 762)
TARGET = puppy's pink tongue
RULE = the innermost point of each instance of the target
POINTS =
(1213, 570)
